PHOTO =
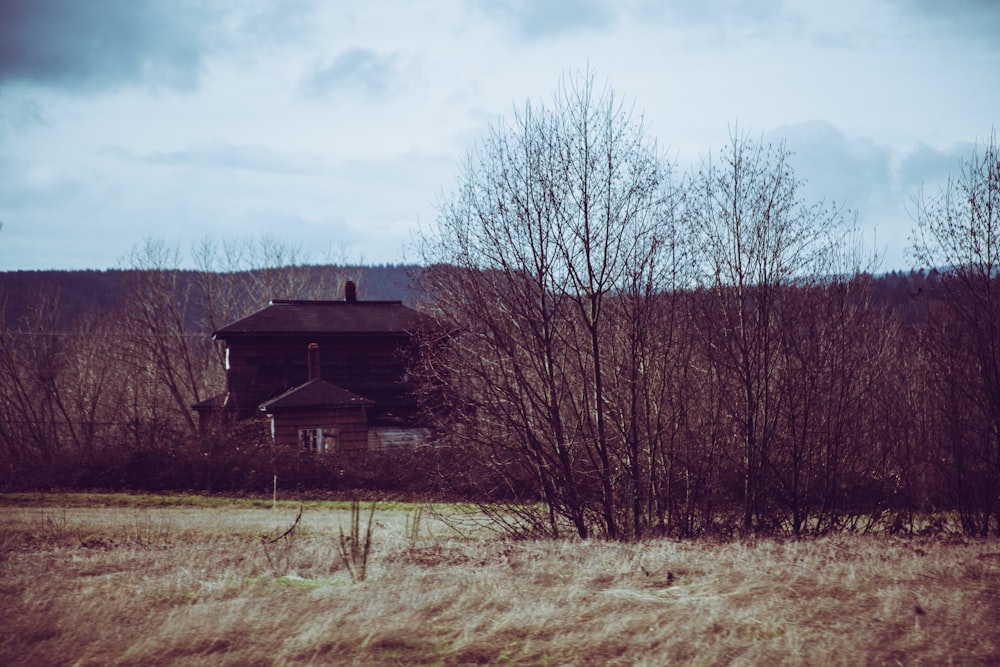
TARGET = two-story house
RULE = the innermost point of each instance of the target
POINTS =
(329, 375)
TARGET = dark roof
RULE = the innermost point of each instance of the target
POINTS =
(315, 394)
(329, 318)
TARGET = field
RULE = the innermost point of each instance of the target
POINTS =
(117, 580)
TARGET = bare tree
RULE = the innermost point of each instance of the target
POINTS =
(829, 465)
(159, 330)
(556, 234)
(59, 393)
(958, 234)
(758, 240)
(31, 358)
(235, 275)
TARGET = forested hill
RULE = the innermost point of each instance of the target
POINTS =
(79, 293)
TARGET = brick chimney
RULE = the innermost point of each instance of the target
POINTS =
(350, 292)
(313, 361)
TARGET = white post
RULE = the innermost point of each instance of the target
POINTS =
(274, 496)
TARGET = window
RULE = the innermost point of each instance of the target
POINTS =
(318, 439)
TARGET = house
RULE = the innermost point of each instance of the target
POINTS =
(329, 375)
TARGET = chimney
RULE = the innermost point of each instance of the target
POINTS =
(313, 361)
(350, 292)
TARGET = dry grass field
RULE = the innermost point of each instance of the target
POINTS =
(136, 584)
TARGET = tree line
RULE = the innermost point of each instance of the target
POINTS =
(624, 351)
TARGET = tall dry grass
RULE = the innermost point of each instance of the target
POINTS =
(182, 586)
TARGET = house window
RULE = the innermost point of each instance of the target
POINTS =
(318, 439)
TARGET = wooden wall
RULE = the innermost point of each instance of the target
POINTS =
(351, 424)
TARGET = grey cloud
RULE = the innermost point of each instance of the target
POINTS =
(279, 21)
(833, 40)
(30, 112)
(714, 11)
(101, 44)
(929, 167)
(20, 115)
(859, 174)
(225, 156)
(718, 16)
(27, 186)
(962, 19)
(880, 183)
(531, 19)
(863, 173)
(855, 172)
(361, 70)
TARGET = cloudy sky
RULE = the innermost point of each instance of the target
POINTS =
(336, 126)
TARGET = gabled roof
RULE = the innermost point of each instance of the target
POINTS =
(315, 394)
(329, 318)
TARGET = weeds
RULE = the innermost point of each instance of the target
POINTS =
(146, 529)
(412, 529)
(278, 549)
(54, 526)
(354, 548)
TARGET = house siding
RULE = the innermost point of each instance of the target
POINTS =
(350, 423)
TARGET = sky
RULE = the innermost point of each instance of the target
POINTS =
(337, 127)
